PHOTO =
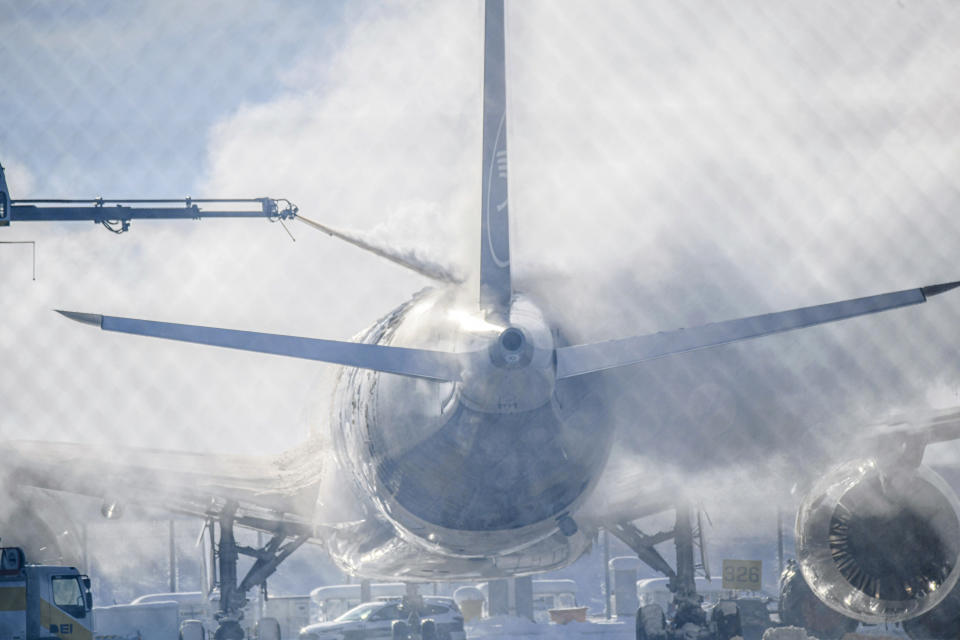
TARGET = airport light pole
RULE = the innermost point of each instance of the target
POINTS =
(606, 573)
(173, 557)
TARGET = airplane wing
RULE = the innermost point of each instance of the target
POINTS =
(903, 438)
(907, 436)
(268, 492)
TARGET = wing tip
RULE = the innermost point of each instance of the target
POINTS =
(936, 289)
(85, 318)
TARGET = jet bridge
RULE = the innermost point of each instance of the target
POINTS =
(116, 214)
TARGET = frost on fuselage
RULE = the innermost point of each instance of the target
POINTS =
(445, 462)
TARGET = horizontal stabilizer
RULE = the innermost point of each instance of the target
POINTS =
(418, 363)
(586, 358)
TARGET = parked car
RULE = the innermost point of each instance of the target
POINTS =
(376, 620)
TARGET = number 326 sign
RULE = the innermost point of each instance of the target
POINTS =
(742, 574)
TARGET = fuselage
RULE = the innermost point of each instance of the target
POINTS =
(489, 466)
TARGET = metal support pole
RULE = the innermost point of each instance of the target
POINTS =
(498, 597)
(684, 585)
(606, 574)
(262, 592)
(173, 558)
(779, 542)
(686, 602)
(523, 597)
(625, 585)
(227, 555)
(412, 600)
(214, 577)
(85, 531)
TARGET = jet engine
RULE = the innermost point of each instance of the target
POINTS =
(880, 544)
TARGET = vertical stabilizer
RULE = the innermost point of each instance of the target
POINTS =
(495, 230)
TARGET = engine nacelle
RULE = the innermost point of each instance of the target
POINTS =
(878, 545)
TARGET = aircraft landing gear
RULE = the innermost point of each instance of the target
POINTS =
(228, 630)
(402, 630)
(413, 626)
(233, 595)
(689, 621)
(651, 623)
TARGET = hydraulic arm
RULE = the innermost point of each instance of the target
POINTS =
(116, 215)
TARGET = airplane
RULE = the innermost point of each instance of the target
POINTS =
(473, 432)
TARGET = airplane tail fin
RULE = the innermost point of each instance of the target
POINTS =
(495, 288)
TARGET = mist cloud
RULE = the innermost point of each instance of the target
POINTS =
(670, 165)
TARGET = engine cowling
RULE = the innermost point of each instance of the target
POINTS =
(879, 545)
(799, 607)
(941, 623)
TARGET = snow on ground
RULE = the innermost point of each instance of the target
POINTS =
(513, 628)
(522, 629)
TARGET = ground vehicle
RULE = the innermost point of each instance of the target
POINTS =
(158, 620)
(191, 605)
(689, 622)
(43, 601)
(655, 591)
(552, 594)
(330, 602)
(376, 620)
(291, 613)
(194, 605)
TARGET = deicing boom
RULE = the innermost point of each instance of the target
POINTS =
(116, 215)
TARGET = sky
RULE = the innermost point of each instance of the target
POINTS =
(670, 165)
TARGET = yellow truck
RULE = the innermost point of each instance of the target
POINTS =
(40, 602)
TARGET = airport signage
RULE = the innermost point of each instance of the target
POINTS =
(744, 575)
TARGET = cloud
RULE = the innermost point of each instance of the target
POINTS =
(20, 180)
(385, 132)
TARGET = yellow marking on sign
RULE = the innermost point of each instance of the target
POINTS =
(745, 575)
(13, 598)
